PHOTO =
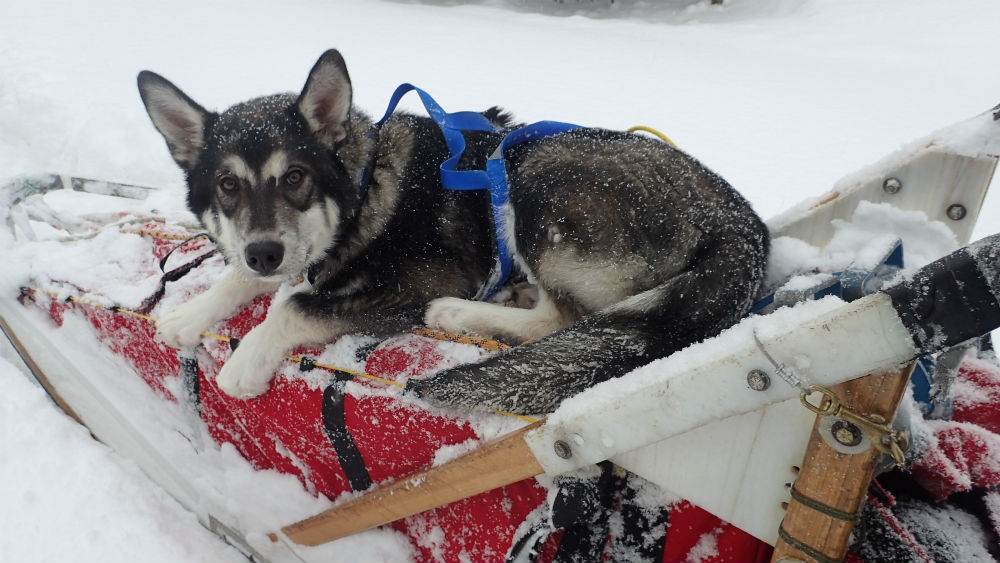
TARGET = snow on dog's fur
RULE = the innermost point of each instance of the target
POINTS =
(636, 249)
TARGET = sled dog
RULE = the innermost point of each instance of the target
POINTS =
(636, 249)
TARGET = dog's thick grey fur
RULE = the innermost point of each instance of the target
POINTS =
(635, 248)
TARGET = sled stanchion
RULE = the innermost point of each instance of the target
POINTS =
(831, 487)
(495, 464)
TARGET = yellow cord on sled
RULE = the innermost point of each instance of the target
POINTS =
(478, 341)
(327, 367)
(155, 234)
(652, 131)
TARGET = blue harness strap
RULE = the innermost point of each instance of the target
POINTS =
(496, 170)
(493, 178)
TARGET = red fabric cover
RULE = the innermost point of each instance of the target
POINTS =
(694, 535)
(977, 394)
(961, 456)
(965, 452)
(283, 430)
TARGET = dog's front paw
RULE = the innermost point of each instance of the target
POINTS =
(450, 314)
(247, 373)
(183, 326)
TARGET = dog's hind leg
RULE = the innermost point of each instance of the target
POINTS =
(488, 319)
(534, 378)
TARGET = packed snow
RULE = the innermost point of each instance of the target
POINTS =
(782, 97)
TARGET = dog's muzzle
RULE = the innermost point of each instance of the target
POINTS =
(264, 257)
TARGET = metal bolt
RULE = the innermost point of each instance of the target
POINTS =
(846, 433)
(956, 212)
(892, 185)
(562, 449)
(758, 380)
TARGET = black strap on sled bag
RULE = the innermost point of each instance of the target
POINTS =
(335, 426)
(175, 274)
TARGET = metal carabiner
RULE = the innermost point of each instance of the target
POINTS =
(832, 407)
(882, 436)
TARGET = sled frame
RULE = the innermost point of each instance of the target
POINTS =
(947, 186)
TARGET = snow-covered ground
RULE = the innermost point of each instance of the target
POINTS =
(67, 497)
(782, 97)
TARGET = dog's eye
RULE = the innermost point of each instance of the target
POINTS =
(294, 177)
(228, 184)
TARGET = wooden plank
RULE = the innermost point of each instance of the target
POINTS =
(495, 464)
(837, 480)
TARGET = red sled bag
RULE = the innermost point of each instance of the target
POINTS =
(350, 434)
(345, 430)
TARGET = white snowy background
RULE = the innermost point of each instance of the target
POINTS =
(782, 97)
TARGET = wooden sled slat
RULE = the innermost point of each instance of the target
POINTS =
(837, 480)
(495, 464)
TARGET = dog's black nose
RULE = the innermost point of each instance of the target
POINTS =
(264, 257)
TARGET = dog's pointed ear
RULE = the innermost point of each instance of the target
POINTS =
(325, 102)
(177, 117)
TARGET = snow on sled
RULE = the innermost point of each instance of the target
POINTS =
(335, 448)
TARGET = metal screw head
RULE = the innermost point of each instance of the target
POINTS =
(562, 449)
(758, 380)
(956, 212)
(892, 185)
(846, 433)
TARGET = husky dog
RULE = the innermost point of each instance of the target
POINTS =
(635, 248)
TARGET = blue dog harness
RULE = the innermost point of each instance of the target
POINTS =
(493, 178)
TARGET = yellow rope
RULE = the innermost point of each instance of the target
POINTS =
(134, 314)
(299, 359)
(486, 344)
(124, 227)
(156, 234)
(662, 137)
